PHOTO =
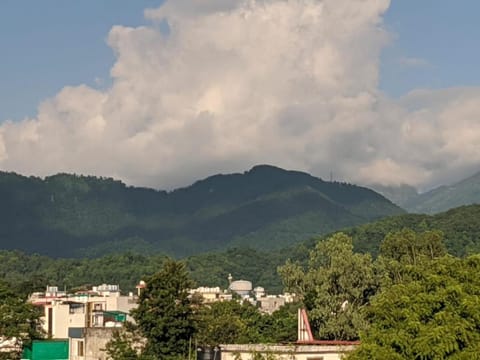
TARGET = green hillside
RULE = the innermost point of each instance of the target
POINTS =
(465, 192)
(443, 198)
(266, 208)
(460, 226)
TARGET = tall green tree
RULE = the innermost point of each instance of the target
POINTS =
(401, 249)
(409, 247)
(164, 322)
(228, 322)
(19, 320)
(336, 285)
(164, 314)
(433, 315)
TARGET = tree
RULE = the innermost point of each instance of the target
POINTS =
(234, 322)
(122, 347)
(227, 322)
(281, 325)
(408, 247)
(337, 284)
(19, 320)
(164, 315)
(164, 323)
(434, 315)
(405, 248)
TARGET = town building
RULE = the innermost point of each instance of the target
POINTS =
(211, 294)
(325, 351)
(69, 316)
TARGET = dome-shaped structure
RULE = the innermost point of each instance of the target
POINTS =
(241, 287)
(259, 292)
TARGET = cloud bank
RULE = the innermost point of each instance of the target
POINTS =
(235, 83)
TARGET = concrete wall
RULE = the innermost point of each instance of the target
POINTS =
(284, 352)
(95, 340)
(122, 303)
(271, 304)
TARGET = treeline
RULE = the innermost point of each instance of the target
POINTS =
(460, 227)
(34, 272)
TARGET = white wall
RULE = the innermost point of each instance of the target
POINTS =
(285, 352)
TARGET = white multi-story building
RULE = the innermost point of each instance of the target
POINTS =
(103, 306)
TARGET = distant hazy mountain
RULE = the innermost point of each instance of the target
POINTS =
(401, 195)
(465, 192)
(443, 198)
(265, 208)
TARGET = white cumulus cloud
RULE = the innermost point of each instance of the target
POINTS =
(236, 83)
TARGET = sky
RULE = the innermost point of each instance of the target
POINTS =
(162, 93)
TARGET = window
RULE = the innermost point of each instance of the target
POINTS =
(80, 348)
(76, 308)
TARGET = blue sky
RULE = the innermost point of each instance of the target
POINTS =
(444, 33)
(237, 83)
(48, 44)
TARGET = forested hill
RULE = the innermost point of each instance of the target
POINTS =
(465, 192)
(265, 208)
(460, 226)
(443, 198)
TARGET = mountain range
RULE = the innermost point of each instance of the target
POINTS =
(443, 198)
(264, 208)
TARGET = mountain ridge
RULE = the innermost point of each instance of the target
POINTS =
(72, 215)
(434, 201)
(443, 198)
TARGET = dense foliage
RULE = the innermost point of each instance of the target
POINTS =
(413, 302)
(265, 208)
(335, 288)
(408, 297)
(31, 273)
(460, 229)
(163, 318)
(164, 314)
(431, 314)
(19, 321)
(234, 322)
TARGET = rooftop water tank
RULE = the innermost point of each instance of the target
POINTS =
(241, 287)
